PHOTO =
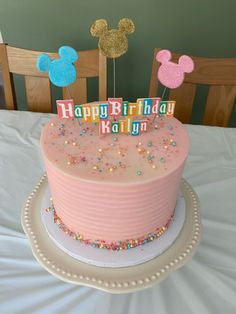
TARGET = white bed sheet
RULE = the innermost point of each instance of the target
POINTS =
(206, 284)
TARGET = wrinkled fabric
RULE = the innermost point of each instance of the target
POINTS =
(206, 284)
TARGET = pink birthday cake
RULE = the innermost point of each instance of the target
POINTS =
(114, 191)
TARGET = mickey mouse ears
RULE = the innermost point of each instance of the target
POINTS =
(112, 42)
(171, 74)
(61, 71)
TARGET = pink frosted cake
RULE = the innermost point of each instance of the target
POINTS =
(114, 191)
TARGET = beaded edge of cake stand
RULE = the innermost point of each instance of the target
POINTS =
(103, 284)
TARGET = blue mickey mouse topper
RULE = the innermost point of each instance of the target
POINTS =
(61, 71)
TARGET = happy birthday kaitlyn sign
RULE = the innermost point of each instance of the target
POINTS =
(117, 116)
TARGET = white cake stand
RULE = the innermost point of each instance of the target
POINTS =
(132, 271)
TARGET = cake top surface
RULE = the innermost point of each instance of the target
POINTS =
(78, 149)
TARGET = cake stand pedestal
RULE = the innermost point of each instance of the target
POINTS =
(110, 279)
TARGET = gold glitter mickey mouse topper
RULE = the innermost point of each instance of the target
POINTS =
(112, 42)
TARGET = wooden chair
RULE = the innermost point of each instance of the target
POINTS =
(91, 63)
(218, 74)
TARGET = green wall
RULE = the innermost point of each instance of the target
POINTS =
(198, 27)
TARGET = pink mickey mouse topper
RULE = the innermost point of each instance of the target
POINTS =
(171, 74)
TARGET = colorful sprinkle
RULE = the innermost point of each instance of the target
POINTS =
(139, 172)
(162, 159)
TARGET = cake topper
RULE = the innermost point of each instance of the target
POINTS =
(128, 118)
(171, 74)
(61, 71)
(113, 43)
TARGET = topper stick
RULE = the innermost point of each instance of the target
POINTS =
(68, 90)
(114, 77)
(114, 80)
(163, 94)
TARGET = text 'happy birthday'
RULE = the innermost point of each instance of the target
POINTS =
(115, 108)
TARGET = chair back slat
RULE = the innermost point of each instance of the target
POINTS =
(9, 94)
(184, 97)
(38, 94)
(153, 88)
(23, 61)
(77, 91)
(210, 71)
(219, 105)
(102, 79)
